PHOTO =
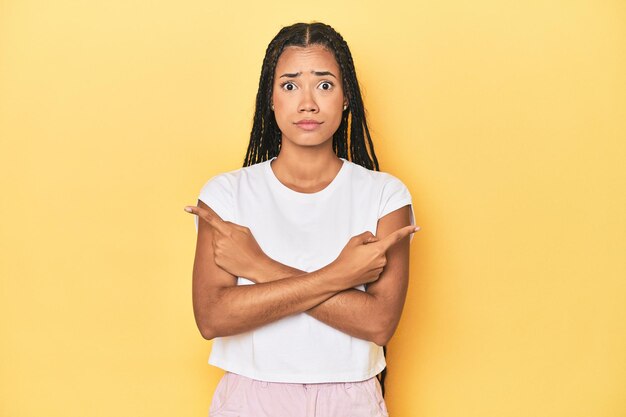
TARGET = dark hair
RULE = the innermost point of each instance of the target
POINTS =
(265, 137)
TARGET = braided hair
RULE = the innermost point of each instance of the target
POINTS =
(352, 140)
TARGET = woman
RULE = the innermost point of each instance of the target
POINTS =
(289, 279)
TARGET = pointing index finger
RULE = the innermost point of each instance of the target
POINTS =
(397, 236)
(208, 215)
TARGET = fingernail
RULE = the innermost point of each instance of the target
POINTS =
(417, 228)
(188, 210)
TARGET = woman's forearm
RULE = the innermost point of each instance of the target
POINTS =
(236, 309)
(351, 311)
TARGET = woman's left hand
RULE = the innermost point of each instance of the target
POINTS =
(234, 247)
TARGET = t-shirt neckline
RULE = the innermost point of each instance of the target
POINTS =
(275, 182)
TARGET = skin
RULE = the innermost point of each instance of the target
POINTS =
(307, 86)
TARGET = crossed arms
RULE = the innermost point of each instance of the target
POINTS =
(225, 250)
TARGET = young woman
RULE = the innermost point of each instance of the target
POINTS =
(302, 257)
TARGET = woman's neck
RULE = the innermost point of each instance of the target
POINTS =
(306, 171)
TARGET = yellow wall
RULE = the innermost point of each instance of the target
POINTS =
(507, 120)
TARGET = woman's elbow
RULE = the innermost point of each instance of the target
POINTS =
(207, 332)
(207, 326)
(209, 318)
(383, 331)
(212, 329)
(381, 338)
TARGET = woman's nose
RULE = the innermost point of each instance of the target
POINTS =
(308, 104)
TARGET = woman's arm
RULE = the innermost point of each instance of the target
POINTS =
(372, 315)
(222, 308)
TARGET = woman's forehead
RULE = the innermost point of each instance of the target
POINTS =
(305, 59)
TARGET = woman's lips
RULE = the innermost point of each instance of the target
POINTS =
(308, 124)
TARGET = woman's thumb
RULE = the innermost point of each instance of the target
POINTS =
(365, 237)
(371, 240)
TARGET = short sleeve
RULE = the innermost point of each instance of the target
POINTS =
(217, 193)
(395, 195)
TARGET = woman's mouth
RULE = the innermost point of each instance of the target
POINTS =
(308, 124)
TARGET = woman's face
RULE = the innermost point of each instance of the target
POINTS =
(307, 95)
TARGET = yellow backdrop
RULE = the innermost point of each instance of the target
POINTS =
(507, 120)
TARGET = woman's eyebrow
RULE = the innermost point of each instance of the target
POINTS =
(318, 73)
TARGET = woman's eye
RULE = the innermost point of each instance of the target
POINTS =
(288, 86)
(326, 85)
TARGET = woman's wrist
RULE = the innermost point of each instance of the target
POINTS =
(269, 270)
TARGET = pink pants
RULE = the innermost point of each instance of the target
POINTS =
(238, 396)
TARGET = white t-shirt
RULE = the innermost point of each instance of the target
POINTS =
(305, 231)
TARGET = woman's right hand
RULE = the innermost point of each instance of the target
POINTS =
(363, 258)
(235, 249)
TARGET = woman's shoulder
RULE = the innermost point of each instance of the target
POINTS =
(360, 173)
(220, 191)
(233, 176)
